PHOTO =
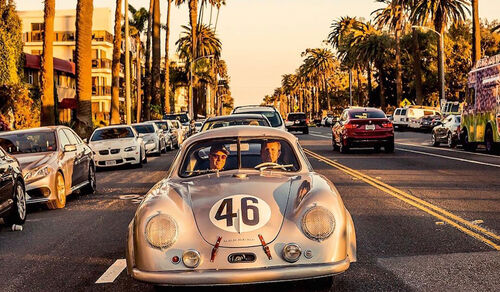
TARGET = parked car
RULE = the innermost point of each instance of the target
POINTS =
(168, 133)
(269, 112)
(55, 163)
(427, 123)
(235, 120)
(363, 127)
(154, 140)
(179, 131)
(12, 190)
(299, 122)
(448, 131)
(198, 125)
(409, 117)
(183, 118)
(328, 121)
(118, 145)
(240, 205)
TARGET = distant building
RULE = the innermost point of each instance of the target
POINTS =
(64, 48)
(64, 79)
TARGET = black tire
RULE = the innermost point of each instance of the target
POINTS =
(177, 145)
(18, 212)
(141, 161)
(389, 147)
(164, 149)
(451, 143)
(434, 140)
(91, 187)
(491, 146)
(169, 148)
(306, 131)
(334, 145)
(376, 148)
(468, 146)
(343, 148)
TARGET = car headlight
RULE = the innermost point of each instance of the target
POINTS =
(318, 223)
(131, 148)
(291, 252)
(161, 231)
(149, 141)
(191, 258)
(36, 173)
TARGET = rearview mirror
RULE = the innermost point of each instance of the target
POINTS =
(69, 148)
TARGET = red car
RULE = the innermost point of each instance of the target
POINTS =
(363, 127)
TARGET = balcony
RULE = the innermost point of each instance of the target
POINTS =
(101, 90)
(101, 64)
(67, 36)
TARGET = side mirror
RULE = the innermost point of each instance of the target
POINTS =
(85, 140)
(69, 148)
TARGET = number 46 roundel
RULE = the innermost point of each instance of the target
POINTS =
(240, 213)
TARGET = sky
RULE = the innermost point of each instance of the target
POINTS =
(263, 39)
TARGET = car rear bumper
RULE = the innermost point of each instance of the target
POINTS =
(241, 276)
(297, 127)
(369, 142)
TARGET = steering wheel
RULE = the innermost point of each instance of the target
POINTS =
(266, 164)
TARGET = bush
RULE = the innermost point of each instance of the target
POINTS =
(17, 108)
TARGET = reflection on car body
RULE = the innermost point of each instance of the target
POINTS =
(260, 217)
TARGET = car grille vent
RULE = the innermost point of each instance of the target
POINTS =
(114, 151)
(103, 152)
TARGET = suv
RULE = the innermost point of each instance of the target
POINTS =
(269, 112)
(297, 122)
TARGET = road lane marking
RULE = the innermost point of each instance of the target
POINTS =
(425, 206)
(322, 136)
(450, 157)
(112, 272)
(425, 145)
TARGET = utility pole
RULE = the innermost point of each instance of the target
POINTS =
(127, 68)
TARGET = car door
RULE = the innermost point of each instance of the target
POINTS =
(6, 182)
(81, 162)
(442, 130)
(66, 160)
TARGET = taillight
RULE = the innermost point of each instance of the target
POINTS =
(350, 126)
(387, 125)
(458, 129)
(307, 121)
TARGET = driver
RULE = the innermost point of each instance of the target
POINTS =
(217, 156)
(270, 151)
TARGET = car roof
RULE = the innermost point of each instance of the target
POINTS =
(363, 109)
(236, 117)
(254, 108)
(112, 127)
(31, 130)
(241, 131)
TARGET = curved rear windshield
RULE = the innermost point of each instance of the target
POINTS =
(183, 118)
(209, 125)
(367, 115)
(144, 129)
(218, 155)
(272, 116)
(162, 125)
(112, 133)
(28, 142)
(293, 117)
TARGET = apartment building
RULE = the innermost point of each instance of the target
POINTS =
(64, 48)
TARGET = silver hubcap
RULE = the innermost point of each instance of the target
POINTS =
(21, 202)
(92, 177)
(433, 138)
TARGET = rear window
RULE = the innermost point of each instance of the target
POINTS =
(112, 133)
(398, 111)
(162, 125)
(272, 116)
(293, 117)
(367, 115)
(403, 112)
(144, 129)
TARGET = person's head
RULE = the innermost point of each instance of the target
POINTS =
(217, 157)
(270, 151)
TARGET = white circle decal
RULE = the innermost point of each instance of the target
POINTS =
(240, 213)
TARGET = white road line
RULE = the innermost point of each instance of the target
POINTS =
(112, 272)
(315, 132)
(447, 149)
(449, 157)
(319, 136)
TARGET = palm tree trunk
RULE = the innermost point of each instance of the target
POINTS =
(381, 75)
(476, 33)
(417, 67)
(369, 81)
(440, 26)
(155, 68)
(399, 79)
(139, 72)
(360, 97)
(84, 10)
(167, 62)
(147, 79)
(216, 19)
(193, 10)
(48, 115)
(115, 66)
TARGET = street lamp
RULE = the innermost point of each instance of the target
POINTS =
(441, 58)
(190, 94)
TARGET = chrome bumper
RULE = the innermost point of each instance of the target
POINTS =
(241, 276)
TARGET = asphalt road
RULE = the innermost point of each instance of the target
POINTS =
(426, 219)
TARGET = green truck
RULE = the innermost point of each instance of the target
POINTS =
(481, 113)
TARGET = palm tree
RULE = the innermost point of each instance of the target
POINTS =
(155, 68)
(115, 66)
(137, 25)
(476, 32)
(440, 12)
(322, 63)
(84, 10)
(167, 62)
(394, 17)
(47, 80)
(147, 79)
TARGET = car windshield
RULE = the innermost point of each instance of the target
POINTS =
(209, 125)
(292, 117)
(144, 129)
(272, 116)
(228, 154)
(19, 143)
(112, 133)
(367, 115)
(183, 118)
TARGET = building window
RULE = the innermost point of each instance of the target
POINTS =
(30, 78)
(36, 52)
(37, 27)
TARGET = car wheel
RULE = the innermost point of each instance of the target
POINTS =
(389, 147)
(376, 148)
(343, 148)
(145, 158)
(468, 146)
(434, 140)
(164, 148)
(451, 143)
(18, 213)
(177, 145)
(91, 187)
(60, 190)
(306, 131)
(334, 145)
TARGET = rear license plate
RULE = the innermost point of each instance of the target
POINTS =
(111, 162)
(370, 127)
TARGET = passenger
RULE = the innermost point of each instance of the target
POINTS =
(270, 151)
(217, 157)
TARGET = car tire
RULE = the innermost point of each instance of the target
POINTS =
(164, 148)
(451, 143)
(468, 146)
(177, 145)
(334, 145)
(18, 213)
(306, 131)
(91, 187)
(389, 147)
(376, 149)
(343, 148)
(434, 140)
(60, 201)
(489, 144)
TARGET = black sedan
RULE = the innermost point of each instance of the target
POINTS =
(12, 192)
(297, 122)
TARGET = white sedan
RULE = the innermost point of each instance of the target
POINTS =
(117, 145)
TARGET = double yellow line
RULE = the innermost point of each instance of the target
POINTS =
(461, 224)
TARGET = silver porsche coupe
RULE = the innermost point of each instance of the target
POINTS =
(240, 205)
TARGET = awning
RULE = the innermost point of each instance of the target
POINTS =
(34, 62)
(67, 103)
